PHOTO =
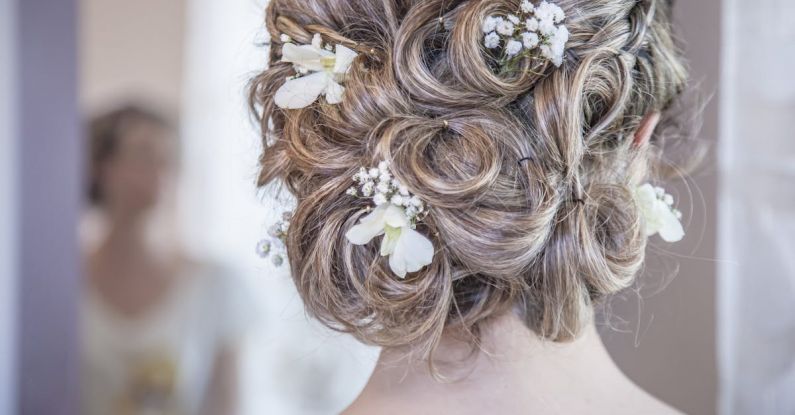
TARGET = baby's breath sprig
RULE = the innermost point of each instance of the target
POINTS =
(275, 245)
(532, 31)
(394, 218)
(378, 184)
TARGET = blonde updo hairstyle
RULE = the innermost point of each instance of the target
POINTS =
(528, 174)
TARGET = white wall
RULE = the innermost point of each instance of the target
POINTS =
(757, 282)
(7, 207)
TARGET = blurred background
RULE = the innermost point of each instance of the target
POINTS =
(129, 220)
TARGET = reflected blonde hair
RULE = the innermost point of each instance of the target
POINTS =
(529, 173)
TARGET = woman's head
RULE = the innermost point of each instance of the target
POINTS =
(132, 151)
(528, 173)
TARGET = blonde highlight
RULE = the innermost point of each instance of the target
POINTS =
(528, 173)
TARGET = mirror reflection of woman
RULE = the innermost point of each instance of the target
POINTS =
(160, 332)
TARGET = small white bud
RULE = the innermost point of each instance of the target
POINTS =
(530, 40)
(263, 248)
(505, 28)
(379, 199)
(513, 47)
(367, 189)
(531, 24)
(489, 24)
(492, 40)
(383, 187)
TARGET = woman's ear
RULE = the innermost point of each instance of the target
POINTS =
(646, 129)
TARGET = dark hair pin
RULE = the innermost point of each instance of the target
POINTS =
(523, 159)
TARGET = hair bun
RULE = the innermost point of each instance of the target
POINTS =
(547, 236)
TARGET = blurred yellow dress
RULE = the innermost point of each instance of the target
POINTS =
(159, 363)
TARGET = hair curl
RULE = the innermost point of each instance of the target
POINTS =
(529, 173)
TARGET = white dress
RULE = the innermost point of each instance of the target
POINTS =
(160, 363)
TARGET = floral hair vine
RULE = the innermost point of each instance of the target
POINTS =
(532, 30)
(320, 69)
(275, 245)
(658, 213)
(394, 214)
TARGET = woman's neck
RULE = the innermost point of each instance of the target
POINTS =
(514, 367)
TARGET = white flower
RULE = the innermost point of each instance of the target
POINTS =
(558, 45)
(557, 13)
(263, 248)
(527, 7)
(383, 167)
(379, 199)
(547, 27)
(513, 47)
(383, 186)
(545, 11)
(531, 24)
(285, 38)
(514, 19)
(658, 216)
(505, 28)
(492, 40)
(374, 173)
(275, 230)
(317, 41)
(549, 13)
(361, 175)
(367, 189)
(530, 40)
(489, 24)
(397, 200)
(408, 250)
(325, 70)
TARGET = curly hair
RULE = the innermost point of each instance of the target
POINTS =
(528, 173)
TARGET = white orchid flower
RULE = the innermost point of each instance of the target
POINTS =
(408, 250)
(320, 73)
(659, 216)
